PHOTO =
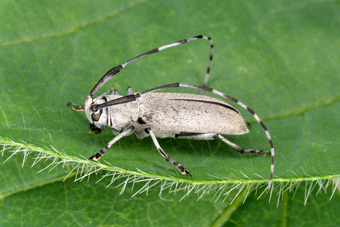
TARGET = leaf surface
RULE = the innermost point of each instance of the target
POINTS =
(279, 58)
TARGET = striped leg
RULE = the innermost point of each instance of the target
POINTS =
(241, 149)
(117, 69)
(126, 132)
(233, 100)
(133, 97)
(212, 136)
(165, 156)
(201, 136)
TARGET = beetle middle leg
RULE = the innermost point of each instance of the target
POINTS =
(165, 156)
(212, 136)
(126, 132)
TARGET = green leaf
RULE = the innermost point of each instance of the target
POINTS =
(279, 58)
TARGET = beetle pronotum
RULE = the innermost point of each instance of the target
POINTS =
(162, 115)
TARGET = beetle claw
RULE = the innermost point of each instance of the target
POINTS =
(187, 173)
(183, 170)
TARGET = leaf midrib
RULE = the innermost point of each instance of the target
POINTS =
(75, 29)
(34, 186)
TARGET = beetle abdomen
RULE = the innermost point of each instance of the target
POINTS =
(172, 112)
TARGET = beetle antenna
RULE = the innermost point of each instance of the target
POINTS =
(133, 97)
(125, 99)
(117, 69)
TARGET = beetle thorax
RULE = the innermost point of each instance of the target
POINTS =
(122, 115)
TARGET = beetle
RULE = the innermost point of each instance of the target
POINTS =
(162, 115)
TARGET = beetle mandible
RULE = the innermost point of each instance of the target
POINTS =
(161, 115)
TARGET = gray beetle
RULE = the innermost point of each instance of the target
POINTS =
(162, 115)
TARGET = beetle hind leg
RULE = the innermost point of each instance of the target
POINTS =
(212, 136)
(202, 136)
(165, 156)
(242, 150)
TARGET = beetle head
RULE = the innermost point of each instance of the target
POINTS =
(98, 119)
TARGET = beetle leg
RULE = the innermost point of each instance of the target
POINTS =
(111, 91)
(114, 92)
(129, 91)
(212, 136)
(165, 156)
(75, 107)
(238, 103)
(126, 132)
(203, 136)
(242, 150)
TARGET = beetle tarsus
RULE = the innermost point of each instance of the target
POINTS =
(97, 156)
(259, 152)
(166, 115)
(182, 169)
(93, 157)
(187, 173)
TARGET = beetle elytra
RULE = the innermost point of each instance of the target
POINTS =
(161, 115)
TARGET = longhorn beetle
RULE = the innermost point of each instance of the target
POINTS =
(176, 115)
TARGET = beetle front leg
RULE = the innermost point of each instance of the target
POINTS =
(165, 156)
(126, 132)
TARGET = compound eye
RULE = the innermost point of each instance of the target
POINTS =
(96, 116)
